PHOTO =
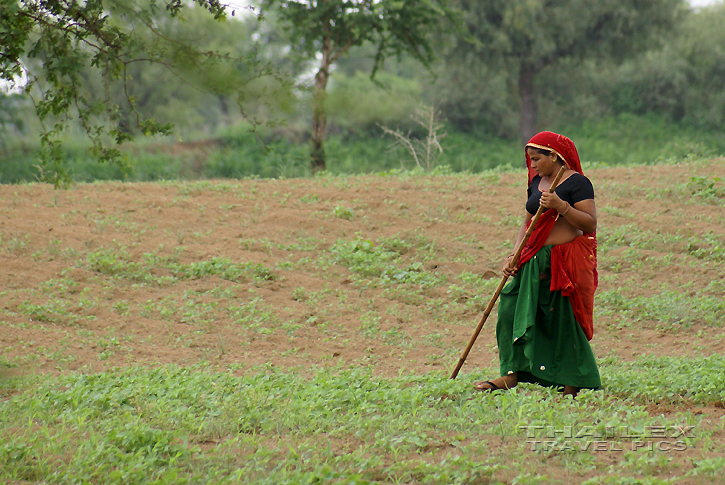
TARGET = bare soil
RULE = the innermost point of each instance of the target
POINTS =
(98, 321)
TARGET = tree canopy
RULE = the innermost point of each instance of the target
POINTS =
(53, 43)
(527, 36)
(329, 28)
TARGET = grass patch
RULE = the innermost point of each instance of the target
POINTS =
(187, 425)
(670, 309)
(381, 265)
(668, 379)
(117, 263)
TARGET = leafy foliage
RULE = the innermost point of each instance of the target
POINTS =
(529, 37)
(382, 264)
(189, 425)
(331, 27)
(116, 263)
(53, 43)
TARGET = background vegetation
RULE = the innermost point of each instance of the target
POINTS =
(662, 100)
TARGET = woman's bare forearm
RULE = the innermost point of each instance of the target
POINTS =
(581, 215)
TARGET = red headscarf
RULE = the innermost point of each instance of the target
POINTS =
(573, 265)
(559, 144)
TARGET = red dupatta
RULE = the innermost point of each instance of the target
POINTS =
(573, 265)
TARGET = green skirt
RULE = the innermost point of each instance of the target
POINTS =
(538, 336)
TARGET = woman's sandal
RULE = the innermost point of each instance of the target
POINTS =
(494, 387)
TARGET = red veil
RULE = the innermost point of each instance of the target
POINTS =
(573, 265)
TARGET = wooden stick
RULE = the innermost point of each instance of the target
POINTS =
(517, 254)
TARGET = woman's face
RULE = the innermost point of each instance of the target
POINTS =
(543, 165)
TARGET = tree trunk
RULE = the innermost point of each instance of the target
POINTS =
(319, 114)
(527, 97)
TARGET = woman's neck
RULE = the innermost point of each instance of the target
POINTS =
(553, 174)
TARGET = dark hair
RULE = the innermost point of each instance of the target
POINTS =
(546, 153)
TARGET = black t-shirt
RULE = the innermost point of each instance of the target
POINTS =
(572, 190)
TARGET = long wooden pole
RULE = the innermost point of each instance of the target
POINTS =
(517, 254)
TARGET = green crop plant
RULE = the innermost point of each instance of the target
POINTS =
(181, 235)
(635, 237)
(669, 309)
(466, 257)
(17, 245)
(224, 268)
(370, 324)
(299, 294)
(471, 241)
(405, 295)
(167, 309)
(362, 257)
(306, 244)
(256, 213)
(709, 247)
(268, 423)
(382, 264)
(198, 313)
(117, 263)
(108, 346)
(344, 213)
(58, 287)
(310, 199)
(53, 311)
(712, 190)
(710, 468)
(701, 379)
(508, 220)
(254, 315)
(615, 211)
(53, 248)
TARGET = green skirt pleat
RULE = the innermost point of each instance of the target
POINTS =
(538, 335)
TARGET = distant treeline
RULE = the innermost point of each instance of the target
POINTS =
(666, 101)
(236, 153)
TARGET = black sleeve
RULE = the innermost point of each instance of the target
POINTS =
(582, 190)
(529, 189)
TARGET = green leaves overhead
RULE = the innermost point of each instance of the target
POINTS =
(60, 46)
(396, 27)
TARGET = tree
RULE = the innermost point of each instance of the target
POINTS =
(53, 42)
(528, 36)
(327, 29)
(700, 98)
(195, 100)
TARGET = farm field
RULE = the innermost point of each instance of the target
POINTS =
(303, 331)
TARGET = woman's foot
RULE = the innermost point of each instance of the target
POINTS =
(485, 386)
(571, 391)
(503, 382)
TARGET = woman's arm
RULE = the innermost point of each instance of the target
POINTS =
(582, 215)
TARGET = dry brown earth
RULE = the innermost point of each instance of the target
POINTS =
(59, 313)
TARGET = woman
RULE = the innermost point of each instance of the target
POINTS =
(546, 312)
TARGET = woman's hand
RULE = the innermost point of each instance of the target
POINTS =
(582, 215)
(549, 200)
(510, 266)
